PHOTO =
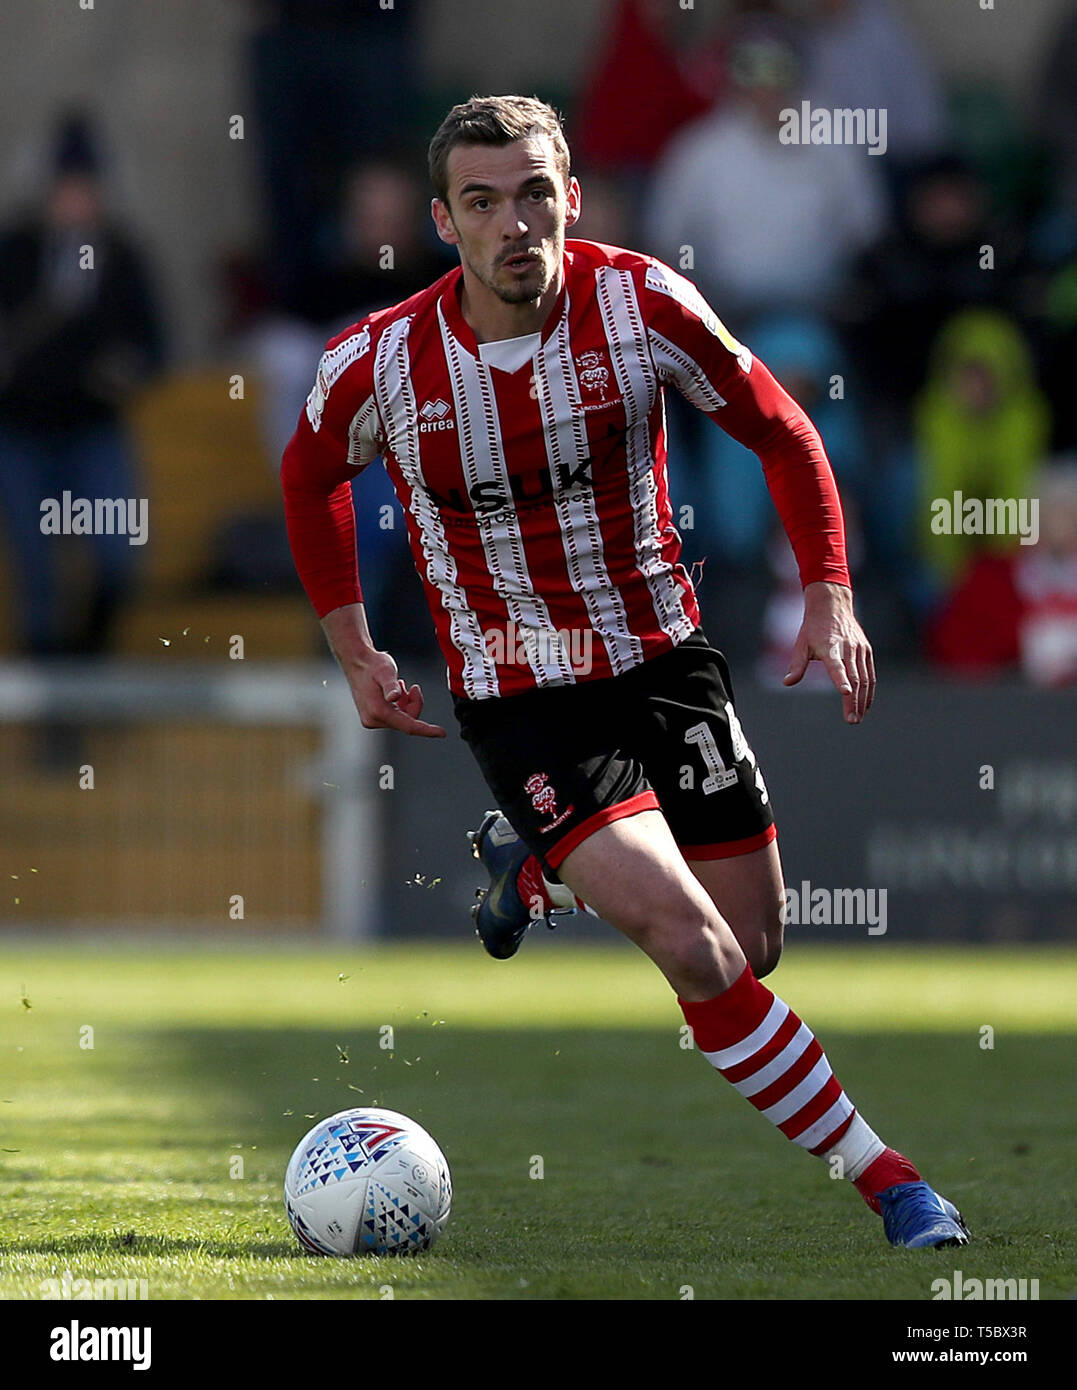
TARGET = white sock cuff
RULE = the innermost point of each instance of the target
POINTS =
(858, 1147)
(563, 896)
(560, 893)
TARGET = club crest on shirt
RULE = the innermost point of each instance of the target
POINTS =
(593, 372)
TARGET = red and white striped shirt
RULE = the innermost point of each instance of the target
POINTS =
(537, 500)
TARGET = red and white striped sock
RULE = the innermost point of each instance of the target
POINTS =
(773, 1059)
(888, 1170)
(532, 885)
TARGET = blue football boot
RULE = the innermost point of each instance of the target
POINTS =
(914, 1215)
(501, 916)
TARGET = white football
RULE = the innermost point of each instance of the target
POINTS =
(367, 1182)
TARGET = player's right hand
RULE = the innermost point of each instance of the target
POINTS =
(384, 701)
(831, 634)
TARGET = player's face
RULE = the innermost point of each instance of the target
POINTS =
(509, 210)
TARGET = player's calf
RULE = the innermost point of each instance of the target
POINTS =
(632, 872)
(773, 1059)
(749, 892)
(635, 877)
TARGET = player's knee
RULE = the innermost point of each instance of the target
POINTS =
(691, 947)
(769, 940)
(688, 950)
(641, 923)
(767, 954)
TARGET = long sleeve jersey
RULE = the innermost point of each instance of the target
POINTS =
(538, 498)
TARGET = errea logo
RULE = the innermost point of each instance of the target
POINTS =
(434, 415)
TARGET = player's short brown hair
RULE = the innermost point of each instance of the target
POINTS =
(494, 121)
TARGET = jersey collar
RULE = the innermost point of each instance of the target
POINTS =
(461, 329)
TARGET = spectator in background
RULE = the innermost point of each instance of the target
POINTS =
(734, 509)
(1058, 324)
(1056, 91)
(330, 80)
(860, 54)
(732, 515)
(1055, 234)
(982, 427)
(380, 249)
(1019, 609)
(643, 88)
(76, 339)
(606, 214)
(376, 254)
(771, 226)
(927, 267)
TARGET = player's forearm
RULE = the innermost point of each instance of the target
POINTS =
(348, 635)
(827, 597)
(321, 528)
(805, 494)
(761, 415)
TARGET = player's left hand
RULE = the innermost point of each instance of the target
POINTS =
(831, 634)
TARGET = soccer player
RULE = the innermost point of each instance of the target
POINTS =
(518, 406)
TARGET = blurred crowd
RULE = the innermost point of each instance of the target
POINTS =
(921, 303)
(79, 332)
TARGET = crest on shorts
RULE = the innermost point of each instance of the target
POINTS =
(544, 799)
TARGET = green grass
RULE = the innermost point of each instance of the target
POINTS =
(657, 1175)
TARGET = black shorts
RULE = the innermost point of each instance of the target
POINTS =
(565, 760)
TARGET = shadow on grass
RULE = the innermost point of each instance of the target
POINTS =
(599, 1096)
(624, 1121)
(269, 1086)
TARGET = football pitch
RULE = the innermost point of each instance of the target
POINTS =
(150, 1097)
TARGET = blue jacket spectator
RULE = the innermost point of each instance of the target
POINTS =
(733, 510)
